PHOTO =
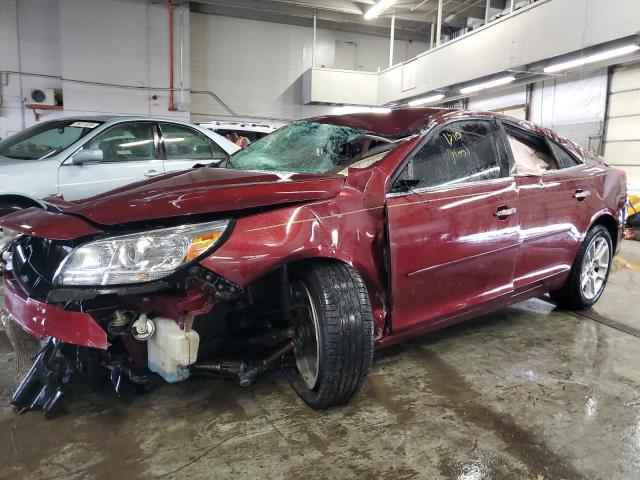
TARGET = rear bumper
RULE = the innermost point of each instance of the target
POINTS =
(43, 320)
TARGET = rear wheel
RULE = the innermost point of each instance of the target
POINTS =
(334, 334)
(589, 272)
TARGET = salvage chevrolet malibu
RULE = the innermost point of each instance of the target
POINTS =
(313, 246)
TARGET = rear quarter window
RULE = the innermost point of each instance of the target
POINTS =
(563, 157)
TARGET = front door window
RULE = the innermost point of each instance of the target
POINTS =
(458, 153)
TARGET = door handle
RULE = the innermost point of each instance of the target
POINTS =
(504, 212)
(580, 195)
(151, 173)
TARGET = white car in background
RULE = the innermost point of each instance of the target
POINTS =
(252, 131)
(84, 156)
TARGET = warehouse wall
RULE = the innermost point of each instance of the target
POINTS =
(574, 106)
(256, 67)
(39, 29)
(108, 41)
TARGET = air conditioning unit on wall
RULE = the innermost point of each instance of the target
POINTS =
(43, 96)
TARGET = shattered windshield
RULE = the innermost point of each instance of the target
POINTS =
(307, 147)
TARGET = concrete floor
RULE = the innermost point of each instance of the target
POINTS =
(527, 392)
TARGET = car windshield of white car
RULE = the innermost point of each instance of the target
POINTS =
(46, 139)
(303, 146)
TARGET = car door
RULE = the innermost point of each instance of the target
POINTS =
(124, 153)
(555, 198)
(185, 147)
(452, 226)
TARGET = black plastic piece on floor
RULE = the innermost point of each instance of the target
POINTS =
(41, 389)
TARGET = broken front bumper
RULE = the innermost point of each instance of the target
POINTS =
(44, 320)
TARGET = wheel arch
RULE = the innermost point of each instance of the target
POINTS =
(20, 200)
(610, 223)
(376, 291)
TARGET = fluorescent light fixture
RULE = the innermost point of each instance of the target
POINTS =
(595, 58)
(424, 100)
(346, 109)
(378, 8)
(490, 84)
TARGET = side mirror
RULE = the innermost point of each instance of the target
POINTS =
(405, 185)
(87, 156)
(216, 162)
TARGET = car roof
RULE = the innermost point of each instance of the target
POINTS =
(250, 126)
(116, 118)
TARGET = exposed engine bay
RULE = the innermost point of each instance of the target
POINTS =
(193, 322)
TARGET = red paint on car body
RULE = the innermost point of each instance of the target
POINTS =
(429, 259)
(43, 320)
(45, 224)
(201, 191)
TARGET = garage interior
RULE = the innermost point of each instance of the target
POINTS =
(530, 391)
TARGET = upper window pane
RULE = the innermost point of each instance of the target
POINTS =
(131, 141)
(460, 152)
(185, 143)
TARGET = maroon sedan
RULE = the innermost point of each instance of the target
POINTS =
(326, 239)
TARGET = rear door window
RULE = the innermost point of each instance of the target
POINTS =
(458, 153)
(182, 142)
(531, 152)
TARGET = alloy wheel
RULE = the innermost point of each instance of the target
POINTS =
(595, 266)
(307, 346)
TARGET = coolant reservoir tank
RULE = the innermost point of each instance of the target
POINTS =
(171, 350)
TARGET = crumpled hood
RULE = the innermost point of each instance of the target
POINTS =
(200, 191)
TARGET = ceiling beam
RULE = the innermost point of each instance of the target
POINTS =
(302, 16)
(282, 11)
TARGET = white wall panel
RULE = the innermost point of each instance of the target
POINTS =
(622, 147)
(624, 103)
(257, 67)
(37, 21)
(573, 105)
(500, 100)
(625, 79)
(118, 42)
(623, 153)
(108, 41)
(623, 129)
(341, 86)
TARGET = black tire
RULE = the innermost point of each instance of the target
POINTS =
(570, 296)
(345, 329)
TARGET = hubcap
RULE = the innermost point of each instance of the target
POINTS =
(595, 266)
(306, 345)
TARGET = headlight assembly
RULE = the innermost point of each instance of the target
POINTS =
(138, 257)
